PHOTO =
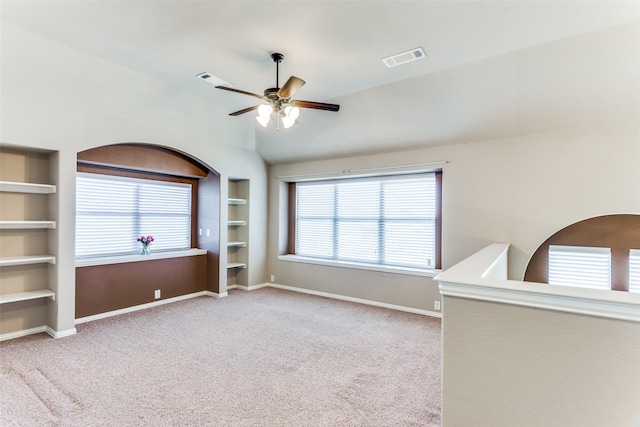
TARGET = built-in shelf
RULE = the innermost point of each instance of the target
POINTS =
(237, 201)
(28, 202)
(25, 296)
(26, 187)
(24, 260)
(238, 232)
(22, 225)
(236, 265)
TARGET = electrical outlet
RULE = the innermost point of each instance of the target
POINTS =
(273, 278)
(157, 294)
(436, 305)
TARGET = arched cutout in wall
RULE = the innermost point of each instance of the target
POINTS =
(619, 232)
(156, 162)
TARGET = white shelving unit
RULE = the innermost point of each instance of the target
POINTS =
(236, 265)
(26, 260)
(237, 244)
(26, 188)
(25, 225)
(25, 296)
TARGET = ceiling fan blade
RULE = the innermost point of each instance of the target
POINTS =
(230, 89)
(290, 87)
(315, 105)
(246, 110)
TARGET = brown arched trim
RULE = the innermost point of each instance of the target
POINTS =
(619, 232)
(143, 157)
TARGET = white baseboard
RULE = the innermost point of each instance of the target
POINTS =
(216, 294)
(60, 334)
(252, 287)
(22, 333)
(142, 306)
(72, 331)
(347, 298)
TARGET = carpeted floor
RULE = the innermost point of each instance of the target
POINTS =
(262, 358)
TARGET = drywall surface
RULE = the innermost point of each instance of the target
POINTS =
(518, 190)
(40, 115)
(506, 365)
(534, 140)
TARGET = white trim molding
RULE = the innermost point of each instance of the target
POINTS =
(37, 330)
(144, 306)
(360, 266)
(89, 262)
(216, 294)
(353, 299)
(22, 333)
(251, 287)
(352, 173)
(469, 279)
(60, 334)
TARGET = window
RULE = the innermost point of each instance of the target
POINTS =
(390, 221)
(587, 267)
(634, 270)
(593, 252)
(112, 211)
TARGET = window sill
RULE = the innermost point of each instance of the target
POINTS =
(359, 266)
(138, 258)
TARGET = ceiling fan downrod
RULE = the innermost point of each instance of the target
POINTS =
(277, 58)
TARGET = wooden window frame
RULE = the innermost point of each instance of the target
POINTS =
(291, 219)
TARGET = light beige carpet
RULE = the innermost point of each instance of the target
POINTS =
(262, 358)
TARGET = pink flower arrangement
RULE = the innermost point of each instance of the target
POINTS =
(145, 240)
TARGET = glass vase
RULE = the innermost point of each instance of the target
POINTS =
(144, 250)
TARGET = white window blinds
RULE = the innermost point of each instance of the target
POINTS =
(112, 212)
(384, 220)
(634, 270)
(588, 267)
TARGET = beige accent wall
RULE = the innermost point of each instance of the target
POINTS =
(506, 365)
(516, 190)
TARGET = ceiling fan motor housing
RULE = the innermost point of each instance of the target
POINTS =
(280, 97)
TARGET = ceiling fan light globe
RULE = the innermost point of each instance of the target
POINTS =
(287, 122)
(265, 111)
(264, 121)
(292, 112)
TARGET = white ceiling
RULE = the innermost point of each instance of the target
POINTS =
(336, 46)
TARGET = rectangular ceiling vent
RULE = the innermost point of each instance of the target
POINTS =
(216, 81)
(404, 57)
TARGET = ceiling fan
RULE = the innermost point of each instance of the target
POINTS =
(278, 100)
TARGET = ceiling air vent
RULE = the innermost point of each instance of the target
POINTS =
(404, 57)
(216, 81)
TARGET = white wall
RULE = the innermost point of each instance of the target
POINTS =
(535, 140)
(506, 365)
(582, 82)
(517, 190)
(45, 113)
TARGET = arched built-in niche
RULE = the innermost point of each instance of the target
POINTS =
(619, 232)
(104, 288)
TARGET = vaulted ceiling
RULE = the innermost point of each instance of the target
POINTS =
(493, 69)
